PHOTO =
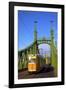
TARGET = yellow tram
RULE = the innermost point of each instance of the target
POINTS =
(33, 63)
(36, 62)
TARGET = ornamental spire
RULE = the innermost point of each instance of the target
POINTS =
(35, 31)
(52, 32)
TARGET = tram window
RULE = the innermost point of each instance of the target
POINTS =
(32, 61)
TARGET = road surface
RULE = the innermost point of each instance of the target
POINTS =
(45, 72)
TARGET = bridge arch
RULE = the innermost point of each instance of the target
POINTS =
(44, 49)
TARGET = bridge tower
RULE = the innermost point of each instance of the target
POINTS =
(35, 31)
(36, 51)
(53, 49)
(52, 40)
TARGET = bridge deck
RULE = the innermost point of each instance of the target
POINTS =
(45, 72)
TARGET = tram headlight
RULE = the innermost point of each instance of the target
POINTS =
(29, 58)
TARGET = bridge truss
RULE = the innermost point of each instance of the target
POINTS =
(33, 49)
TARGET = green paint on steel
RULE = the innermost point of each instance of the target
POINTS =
(35, 31)
(33, 49)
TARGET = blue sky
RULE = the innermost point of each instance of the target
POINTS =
(26, 26)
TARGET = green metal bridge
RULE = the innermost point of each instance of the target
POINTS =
(33, 49)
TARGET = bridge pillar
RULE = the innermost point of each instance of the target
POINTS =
(53, 54)
(35, 31)
(52, 38)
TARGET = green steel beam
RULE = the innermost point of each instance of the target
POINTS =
(33, 49)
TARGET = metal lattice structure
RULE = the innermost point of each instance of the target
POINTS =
(33, 49)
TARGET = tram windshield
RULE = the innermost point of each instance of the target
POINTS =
(32, 59)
